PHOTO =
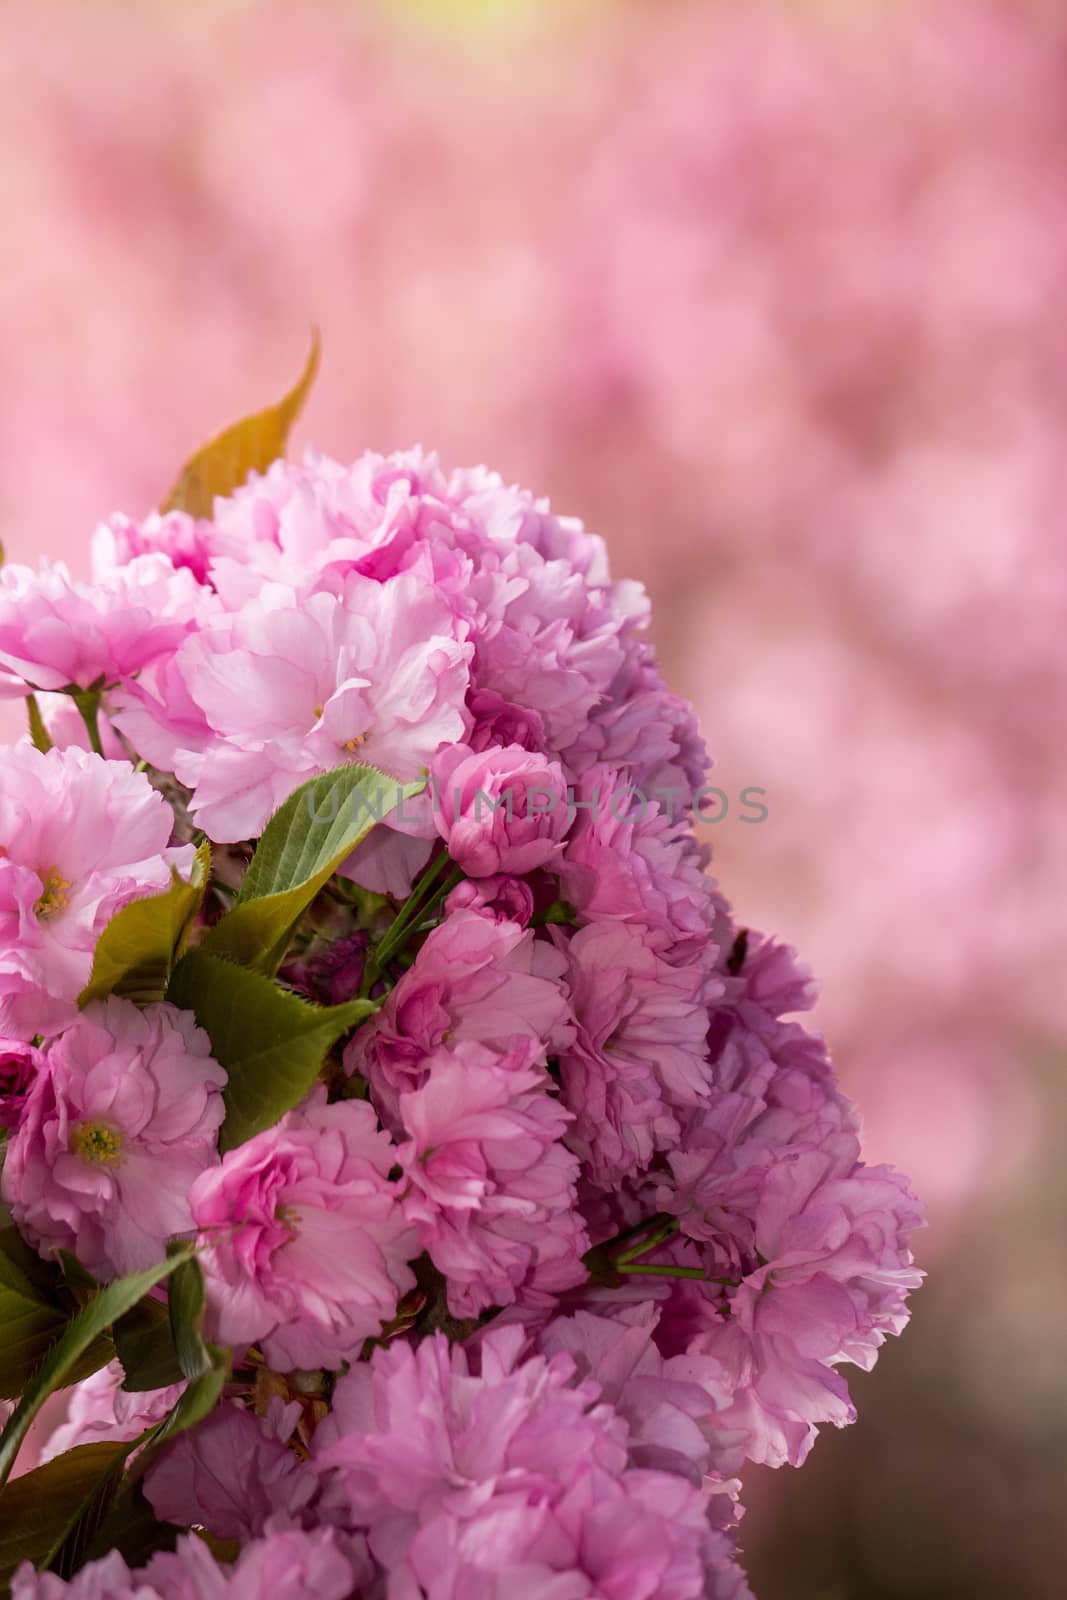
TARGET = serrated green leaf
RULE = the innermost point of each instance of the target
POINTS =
(31, 1319)
(80, 1334)
(138, 949)
(145, 1346)
(302, 846)
(133, 1529)
(271, 1043)
(186, 1300)
(79, 1279)
(224, 463)
(35, 1307)
(29, 1325)
(40, 1511)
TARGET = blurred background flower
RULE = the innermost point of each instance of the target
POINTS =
(772, 296)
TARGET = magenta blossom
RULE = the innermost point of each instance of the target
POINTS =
(499, 811)
(79, 838)
(307, 1245)
(19, 1065)
(121, 1121)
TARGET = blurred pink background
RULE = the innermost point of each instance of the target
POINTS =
(773, 297)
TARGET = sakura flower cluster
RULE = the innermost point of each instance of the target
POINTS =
(569, 1220)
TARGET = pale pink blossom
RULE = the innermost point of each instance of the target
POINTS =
(293, 685)
(79, 838)
(100, 1409)
(56, 633)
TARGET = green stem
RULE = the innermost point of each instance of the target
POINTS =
(664, 1271)
(412, 906)
(665, 1231)
(411, 916)
(88, 704)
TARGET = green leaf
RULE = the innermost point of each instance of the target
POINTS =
(77, 1338)
(145, 1346)
(224, 463)
(198, 1399)
(186, 1299)
(41, 1513)
(133, 1529)
(138, 949)
(78, 1279)
(38, 732)
(29, 1324)
(35, 1307)
(302, 846)
(271, 1043)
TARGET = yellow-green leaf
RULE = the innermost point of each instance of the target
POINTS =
(247, 446)
(140, 946)
(38, 732)
(302, 846)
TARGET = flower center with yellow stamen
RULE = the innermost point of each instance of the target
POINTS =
(359, 741)
(53, 897)
(98, 1145)
(318, 712)
(288, 1218)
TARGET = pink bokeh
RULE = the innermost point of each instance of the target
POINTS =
(773, 298)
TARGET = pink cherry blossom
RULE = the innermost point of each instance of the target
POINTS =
(640, 1053)
(307, 1249)
(303, 1566)
(627, 858)
(186, 541)
(56, 633)
(100, 1408)
(465, 1469)
(19, 1065)
(232, 1474)
(503, 810)
(290, 686)
(474, 978)
(120, 1122)
(79, 838)
(489, 1184)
